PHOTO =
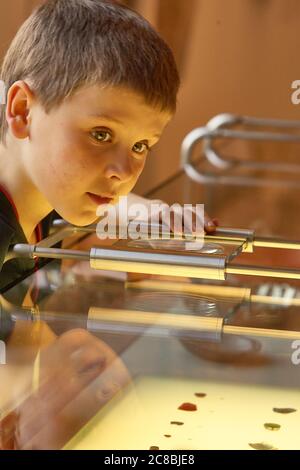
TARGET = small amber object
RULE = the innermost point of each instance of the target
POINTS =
(188, 407)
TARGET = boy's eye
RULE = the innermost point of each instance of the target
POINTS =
(140, 147)
(101, 135)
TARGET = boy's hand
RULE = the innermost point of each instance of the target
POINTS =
(159, 208)
(210, 225)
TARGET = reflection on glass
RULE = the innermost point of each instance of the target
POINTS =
(72, 379)
(178, 245)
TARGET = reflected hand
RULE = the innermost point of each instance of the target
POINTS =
(78, 375)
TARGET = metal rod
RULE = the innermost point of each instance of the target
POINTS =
(211, 325)
(160, 318)
(265, 242)
(267, 122)
(56, 237)
(215, 292)
(266, 333)
(268, 300)
(205, 177)
(33, 251)
(258, 271)
(197, 266)
(253, 135)
(202, 290)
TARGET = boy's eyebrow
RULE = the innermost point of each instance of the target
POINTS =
(106, 117)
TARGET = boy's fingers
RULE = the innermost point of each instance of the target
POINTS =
(190, 223)
(193, 224)
(210, 225)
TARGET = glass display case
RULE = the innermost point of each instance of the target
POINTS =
(183, 355)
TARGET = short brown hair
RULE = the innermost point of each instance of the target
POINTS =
(67, 44)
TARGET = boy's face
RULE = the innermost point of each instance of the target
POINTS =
(94, 144)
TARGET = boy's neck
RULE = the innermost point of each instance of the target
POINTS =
(31, 205)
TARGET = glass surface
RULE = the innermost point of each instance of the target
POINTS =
(228, 248)
(178, 245)
(105, 360)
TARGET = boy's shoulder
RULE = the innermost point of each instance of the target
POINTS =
(10, 229)
(11, 233)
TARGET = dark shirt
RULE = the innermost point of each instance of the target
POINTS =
(12, 233)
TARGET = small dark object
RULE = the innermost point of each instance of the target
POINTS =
(153, 448)
(179, 423)
(200, 395)
(167, 435)
(272, 426)
(284, 411)
(262, 446)
(188, 407)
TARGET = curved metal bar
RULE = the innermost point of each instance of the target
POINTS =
(187, 147)
(215, 124)
(216, 128)
(218, 123)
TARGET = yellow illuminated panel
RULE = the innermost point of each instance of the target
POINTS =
(228, 417)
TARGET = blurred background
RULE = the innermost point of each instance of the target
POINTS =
(238, 56)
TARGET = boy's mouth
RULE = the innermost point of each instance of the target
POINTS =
(100, 199)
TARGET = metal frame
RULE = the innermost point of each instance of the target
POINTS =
(208, 328)
(190, 264)
(151, 323)
(221, 126)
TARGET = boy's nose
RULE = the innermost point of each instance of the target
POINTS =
(119, 168)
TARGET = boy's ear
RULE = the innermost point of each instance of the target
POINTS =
(19, 101)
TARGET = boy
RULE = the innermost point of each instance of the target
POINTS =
(90, 88)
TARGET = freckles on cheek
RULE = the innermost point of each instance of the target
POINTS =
(78, 158)
(72, 167)
(58, 178)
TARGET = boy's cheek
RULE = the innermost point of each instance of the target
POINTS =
(70, 167)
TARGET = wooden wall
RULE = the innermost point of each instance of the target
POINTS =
(241, 56)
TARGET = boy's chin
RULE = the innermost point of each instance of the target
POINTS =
(81, 220)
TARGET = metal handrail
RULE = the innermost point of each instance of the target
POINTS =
(221, 127)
